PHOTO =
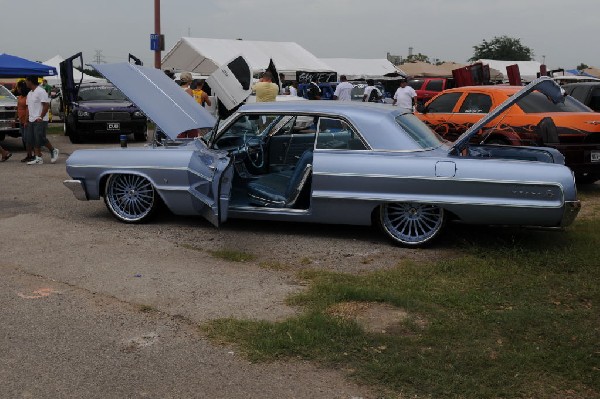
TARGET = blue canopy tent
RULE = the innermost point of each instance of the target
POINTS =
(16, 67)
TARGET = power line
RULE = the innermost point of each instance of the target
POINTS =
(98, 57)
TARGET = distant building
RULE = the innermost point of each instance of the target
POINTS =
(394, 59)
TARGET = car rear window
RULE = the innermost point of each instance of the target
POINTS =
(435, 85)
(426, 138)
(476, 103)
(415, 84)
(595, 100)
(537, 103)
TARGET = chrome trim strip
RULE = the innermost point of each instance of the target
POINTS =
(133, 169)
(78, 189)
(266, 210)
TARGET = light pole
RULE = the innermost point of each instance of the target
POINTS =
(157, 31)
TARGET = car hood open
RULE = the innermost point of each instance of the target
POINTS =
(544, 85)
(160, 98)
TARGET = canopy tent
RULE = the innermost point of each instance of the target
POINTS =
(593, 71)
(360, 69)
(425, 70)
(528, 69)
(17, 67)
(77, 74)
(204, 56)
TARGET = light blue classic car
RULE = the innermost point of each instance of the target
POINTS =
(320, 162)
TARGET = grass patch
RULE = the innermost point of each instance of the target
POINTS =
(273, 265)
(516, 316)
(147, 309)
(232, 255)
(56, 130)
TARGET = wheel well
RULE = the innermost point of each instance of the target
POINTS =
(104, 178)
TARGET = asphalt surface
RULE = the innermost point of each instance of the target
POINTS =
(94, 308)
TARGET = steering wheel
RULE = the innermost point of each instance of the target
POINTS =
(255, 150)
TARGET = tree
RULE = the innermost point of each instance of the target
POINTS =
(417, 58)
(582, 66)
(502, 48)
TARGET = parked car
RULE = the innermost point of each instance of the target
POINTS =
(570, 127)
(355, 164)
(587, 93)
(9, 125)
(97, 109)
(427, 88)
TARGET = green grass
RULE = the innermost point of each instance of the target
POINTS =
(56, 129)
(232, 255)
(516, 316)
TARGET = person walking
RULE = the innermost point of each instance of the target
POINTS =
(405, 97)
(199, 94)
(22, 117)
(5, 154)
(265, 89)
(38, 104)
(372, 93)
(343, 91)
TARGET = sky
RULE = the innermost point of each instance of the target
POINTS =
(447, 30)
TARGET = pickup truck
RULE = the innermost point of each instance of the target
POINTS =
(427, 88)
(9, 126)
(587, 92)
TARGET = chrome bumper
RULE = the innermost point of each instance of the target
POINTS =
(76, 186)
(571, 210)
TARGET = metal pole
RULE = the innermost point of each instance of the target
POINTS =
(157, 55)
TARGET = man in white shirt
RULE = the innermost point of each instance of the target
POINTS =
(405, 97)
(369, 96)
(343, 91)
(38, 104)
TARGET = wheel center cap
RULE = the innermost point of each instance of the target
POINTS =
(132, 192)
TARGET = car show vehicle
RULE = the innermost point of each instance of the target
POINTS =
(586, 92)
(351, 163)
(9, 125)
(427, 88)
(570, 126)
(97, 109)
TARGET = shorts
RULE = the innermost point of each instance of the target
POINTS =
(35, 133)
(23, 133)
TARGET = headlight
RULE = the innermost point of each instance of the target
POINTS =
(83, 114)
(138, 114)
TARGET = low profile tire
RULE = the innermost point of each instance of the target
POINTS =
(586, 178)
(73, 135)
(130, 198)
(411, 224)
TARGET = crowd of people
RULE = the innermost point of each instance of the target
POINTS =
(33, 106)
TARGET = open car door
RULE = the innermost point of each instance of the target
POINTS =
(231, 84)
(70, 88)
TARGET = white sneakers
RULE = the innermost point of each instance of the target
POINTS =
(36, 161)
(39, 160)
(54, 155)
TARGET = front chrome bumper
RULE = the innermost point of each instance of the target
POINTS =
(78, 189)
(571, 210)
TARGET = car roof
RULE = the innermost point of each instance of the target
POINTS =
(321, 106)
(489, 89)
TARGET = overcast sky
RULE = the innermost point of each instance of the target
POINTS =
(563, 31)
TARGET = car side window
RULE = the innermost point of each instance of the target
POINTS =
(579, 93)
(595, 100)
(444, 104)
(435, 85)
(336, 134)
(476, 103)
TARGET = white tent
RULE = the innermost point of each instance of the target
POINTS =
(55, 80)
(358, 69)
(527, 69)
(204, 56)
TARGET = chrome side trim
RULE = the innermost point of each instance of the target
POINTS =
(78, 189)
(133, 168)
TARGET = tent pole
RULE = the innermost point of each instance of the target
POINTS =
(157, 54)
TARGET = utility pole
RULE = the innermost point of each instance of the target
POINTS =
(98, 57)
(157, 55)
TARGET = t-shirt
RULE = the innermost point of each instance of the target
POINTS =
(343, 91)
(293, 91)
(265, 91)
(404, 97)
(35, 98)
(368, 91)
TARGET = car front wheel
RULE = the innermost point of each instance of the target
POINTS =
(130, 198)
(411, 224)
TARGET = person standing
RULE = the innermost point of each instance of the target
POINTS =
(313, 91)
(38, 104)
(405, 97)
(372, 93)
(22, 117)
(293, 89)
(265, 89)
(199, 94)
(186, 80)
(343, 91)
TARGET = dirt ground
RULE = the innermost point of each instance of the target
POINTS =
(83, 268)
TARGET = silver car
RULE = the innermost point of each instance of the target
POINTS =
(320, 162)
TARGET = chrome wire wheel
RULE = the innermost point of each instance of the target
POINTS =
(410, 223)
(130, 198)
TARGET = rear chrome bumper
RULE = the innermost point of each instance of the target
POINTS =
(571, 210)
(76, 186)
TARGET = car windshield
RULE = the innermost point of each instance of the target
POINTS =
(100, 93)
(426, 138)
(5, 93)
(537, 103)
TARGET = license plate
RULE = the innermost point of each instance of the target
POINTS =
(595, 156)
(113, 126)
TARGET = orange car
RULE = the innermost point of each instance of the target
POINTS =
(570, 127)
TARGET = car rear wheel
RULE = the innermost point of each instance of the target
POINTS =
(411, 224)
(130, 198)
